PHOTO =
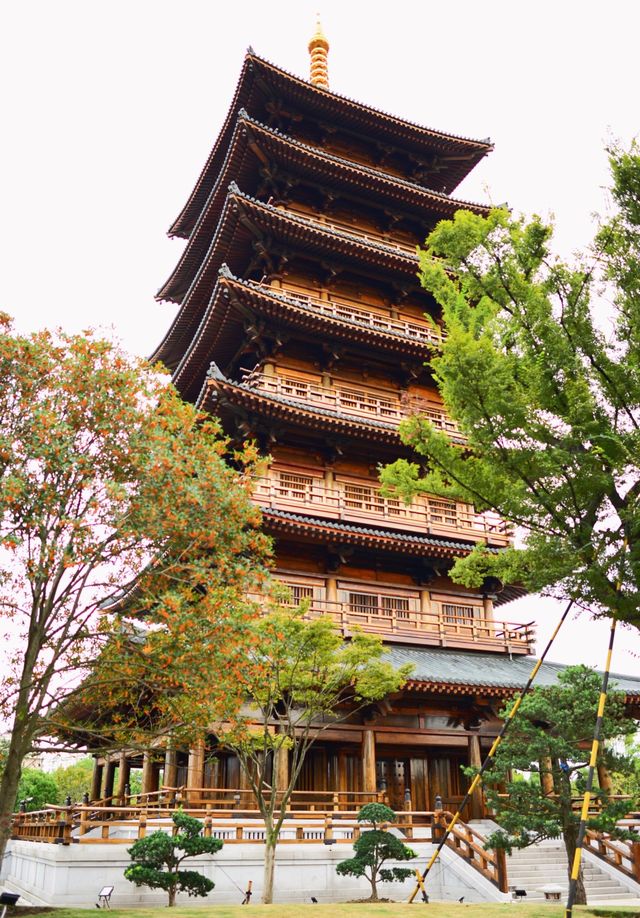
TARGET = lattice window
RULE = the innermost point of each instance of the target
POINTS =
(443, 511)
(455, 614)
(297, 487)
(363, 603)
(294, 388)
(400, 605)
(362, 497)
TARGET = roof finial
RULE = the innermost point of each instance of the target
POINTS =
(319, 51)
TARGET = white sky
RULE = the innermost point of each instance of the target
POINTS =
(110, 109)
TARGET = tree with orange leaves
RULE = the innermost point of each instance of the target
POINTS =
(114, 495)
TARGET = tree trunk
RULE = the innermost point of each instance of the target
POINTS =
(570, 840)
(9, 787)
(172, 896)
(269, 867)
(374, 889)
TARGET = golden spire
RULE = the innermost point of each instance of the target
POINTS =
(319, 51)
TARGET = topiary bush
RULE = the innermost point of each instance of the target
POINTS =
(156, 859)
(374, 847)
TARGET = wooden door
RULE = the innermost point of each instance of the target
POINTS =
(393, 773)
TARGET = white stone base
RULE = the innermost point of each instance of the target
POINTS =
(72, 875)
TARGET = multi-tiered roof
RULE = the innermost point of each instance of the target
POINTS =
(301, 323)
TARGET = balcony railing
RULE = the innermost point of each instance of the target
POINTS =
(360, 502)
(338, 309)
(358, 403)
(405, 248)
(436, 627)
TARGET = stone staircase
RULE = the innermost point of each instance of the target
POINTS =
(545, 864)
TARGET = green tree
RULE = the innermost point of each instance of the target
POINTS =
(37, 788)
(111, 488)
(547, 392)
(300, 678)
(156, 859)
(74, 780)
(551, 736)
(374, 848)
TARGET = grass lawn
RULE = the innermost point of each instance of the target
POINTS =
(351, 909)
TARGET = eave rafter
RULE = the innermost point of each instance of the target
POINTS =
(261, 85)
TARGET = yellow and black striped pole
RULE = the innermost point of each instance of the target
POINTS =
(491, 755)
(593, 760)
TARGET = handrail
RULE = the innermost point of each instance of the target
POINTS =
(362, 501)
(64, 825)
(469, 844)
(623, 854)
(353, 400)
(432, 627)
(375, 238)
(337, 308)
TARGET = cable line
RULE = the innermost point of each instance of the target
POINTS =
(595, 746)
(491, 755)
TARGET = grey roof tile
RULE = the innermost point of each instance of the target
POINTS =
(434, 664)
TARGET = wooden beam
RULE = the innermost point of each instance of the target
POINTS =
(96, 780)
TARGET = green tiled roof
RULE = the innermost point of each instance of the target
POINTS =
(433, 664)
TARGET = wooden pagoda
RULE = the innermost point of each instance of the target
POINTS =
(302, 325)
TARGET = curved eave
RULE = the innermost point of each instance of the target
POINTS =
(221, 333)
(253, 143)
(260, 79)
(217, 392)
(242, 219)
(281, 521)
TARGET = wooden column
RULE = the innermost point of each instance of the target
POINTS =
(147, 773)
(110, 773)
(546, 776)
(123, 776)
(604, 779)
(369, 761)
(475, 761)
(170, 766)
(281, 765)
(96, 780)
(195, 768)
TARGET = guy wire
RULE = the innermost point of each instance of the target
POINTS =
(491, 755)
(584, 815)
(586, 800)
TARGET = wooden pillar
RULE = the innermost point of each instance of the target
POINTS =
(147, 773)
(546, 776)
(124, 770)
(604, 779)
(110, 773)
(281, 765)
(475, 761)
(195, 770)
(369, 761)
(96, 781)
(170, 766)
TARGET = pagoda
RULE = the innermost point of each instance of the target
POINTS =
(302, 325)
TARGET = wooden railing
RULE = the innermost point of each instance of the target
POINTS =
(337, 308)
(623, 854)
(360, 403)
(433, 628)
(121, 825)
(362, 502)
(403, 247)
(469, 844)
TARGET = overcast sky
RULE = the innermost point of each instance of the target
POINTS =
(110, 109)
